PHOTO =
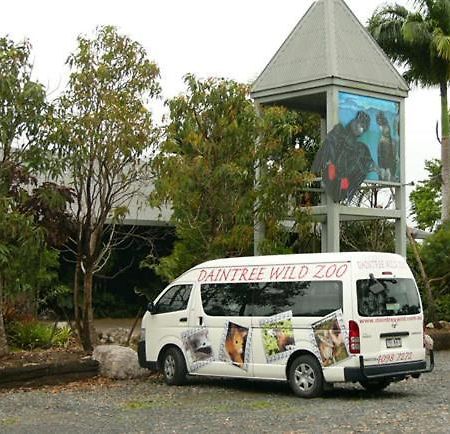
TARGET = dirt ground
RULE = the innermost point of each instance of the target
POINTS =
(18, 359)
(74, 352)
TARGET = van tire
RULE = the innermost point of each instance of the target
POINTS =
(375, 385)
(173, 367)
(306, 377)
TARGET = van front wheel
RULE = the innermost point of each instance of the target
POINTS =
(306, 377)
(174, 367)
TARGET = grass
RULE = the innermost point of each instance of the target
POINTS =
(145, 404)
(8, 421)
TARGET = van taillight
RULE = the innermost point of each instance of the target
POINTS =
(353, 331)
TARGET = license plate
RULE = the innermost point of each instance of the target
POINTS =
(393, 342)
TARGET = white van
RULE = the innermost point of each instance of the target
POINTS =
(309, 319)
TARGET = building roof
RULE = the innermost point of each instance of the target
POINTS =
(328, 43)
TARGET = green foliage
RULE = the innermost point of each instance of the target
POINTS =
(106, 131)
(435, 254)
(26, 120)
(33, 334)
(206, 171)
(286, 147)
(443, 307)
(426, 197)
(24, 112)
(25, 261)
(106, 135)
(418, 41)
(369, 236)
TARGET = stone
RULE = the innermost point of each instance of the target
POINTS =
(117, 335)
(118, 362)
(445, 324)
(430, 325)
(428, 342)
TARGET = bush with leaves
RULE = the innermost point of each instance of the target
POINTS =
(435, 253)
(205, 170)
(29, 335)
(426, 198)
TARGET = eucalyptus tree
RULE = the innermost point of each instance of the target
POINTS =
(106, 137)
(419, 41)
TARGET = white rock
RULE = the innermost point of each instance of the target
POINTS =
(430, 325)
(428, 341)
(118, 362)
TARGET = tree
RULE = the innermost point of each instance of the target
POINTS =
(426, 198)
(418, 40)
(106, 137)
(435, 254)
(24, 115)
(205, 170)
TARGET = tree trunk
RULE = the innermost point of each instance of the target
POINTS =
(445, 155)
(89, 335)
(429, 293)
(76, 298)
(3, 340)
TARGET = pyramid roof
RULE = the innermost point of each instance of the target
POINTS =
(329, 46)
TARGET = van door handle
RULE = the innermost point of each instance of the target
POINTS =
(200, 320)
(184, 319)
(393, 334)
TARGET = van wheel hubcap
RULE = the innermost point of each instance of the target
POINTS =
(169, 366)
(304, 377)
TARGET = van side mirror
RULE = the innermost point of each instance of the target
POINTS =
(151, 307)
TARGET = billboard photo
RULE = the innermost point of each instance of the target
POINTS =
(382, 136)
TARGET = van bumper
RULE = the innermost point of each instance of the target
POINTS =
(392, 371)
(143, 362)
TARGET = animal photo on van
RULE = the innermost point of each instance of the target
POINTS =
(234, 347)
(197, 347)
(278, 336)
(330, 340)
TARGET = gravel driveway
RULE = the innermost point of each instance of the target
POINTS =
(217, 406)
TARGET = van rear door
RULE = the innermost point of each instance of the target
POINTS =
(390, 320)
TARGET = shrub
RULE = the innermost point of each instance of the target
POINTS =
(33, 334)
(443, 307)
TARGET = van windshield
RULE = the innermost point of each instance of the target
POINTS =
(387, 297)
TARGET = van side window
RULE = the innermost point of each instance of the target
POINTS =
(226, 299)
(175, 299)
(307, 298)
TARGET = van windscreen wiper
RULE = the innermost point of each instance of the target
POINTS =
(375, 286)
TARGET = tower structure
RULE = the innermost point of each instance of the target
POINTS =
(329, 64)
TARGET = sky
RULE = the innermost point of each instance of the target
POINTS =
(234, 39)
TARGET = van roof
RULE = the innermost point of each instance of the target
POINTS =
(295, 258)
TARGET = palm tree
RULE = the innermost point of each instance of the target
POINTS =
(419, 41)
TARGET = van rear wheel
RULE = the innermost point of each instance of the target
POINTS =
(305, 376)
(375, 385)
(174, 367)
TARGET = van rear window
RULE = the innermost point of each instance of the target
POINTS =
(387, 297)
(307, 298)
